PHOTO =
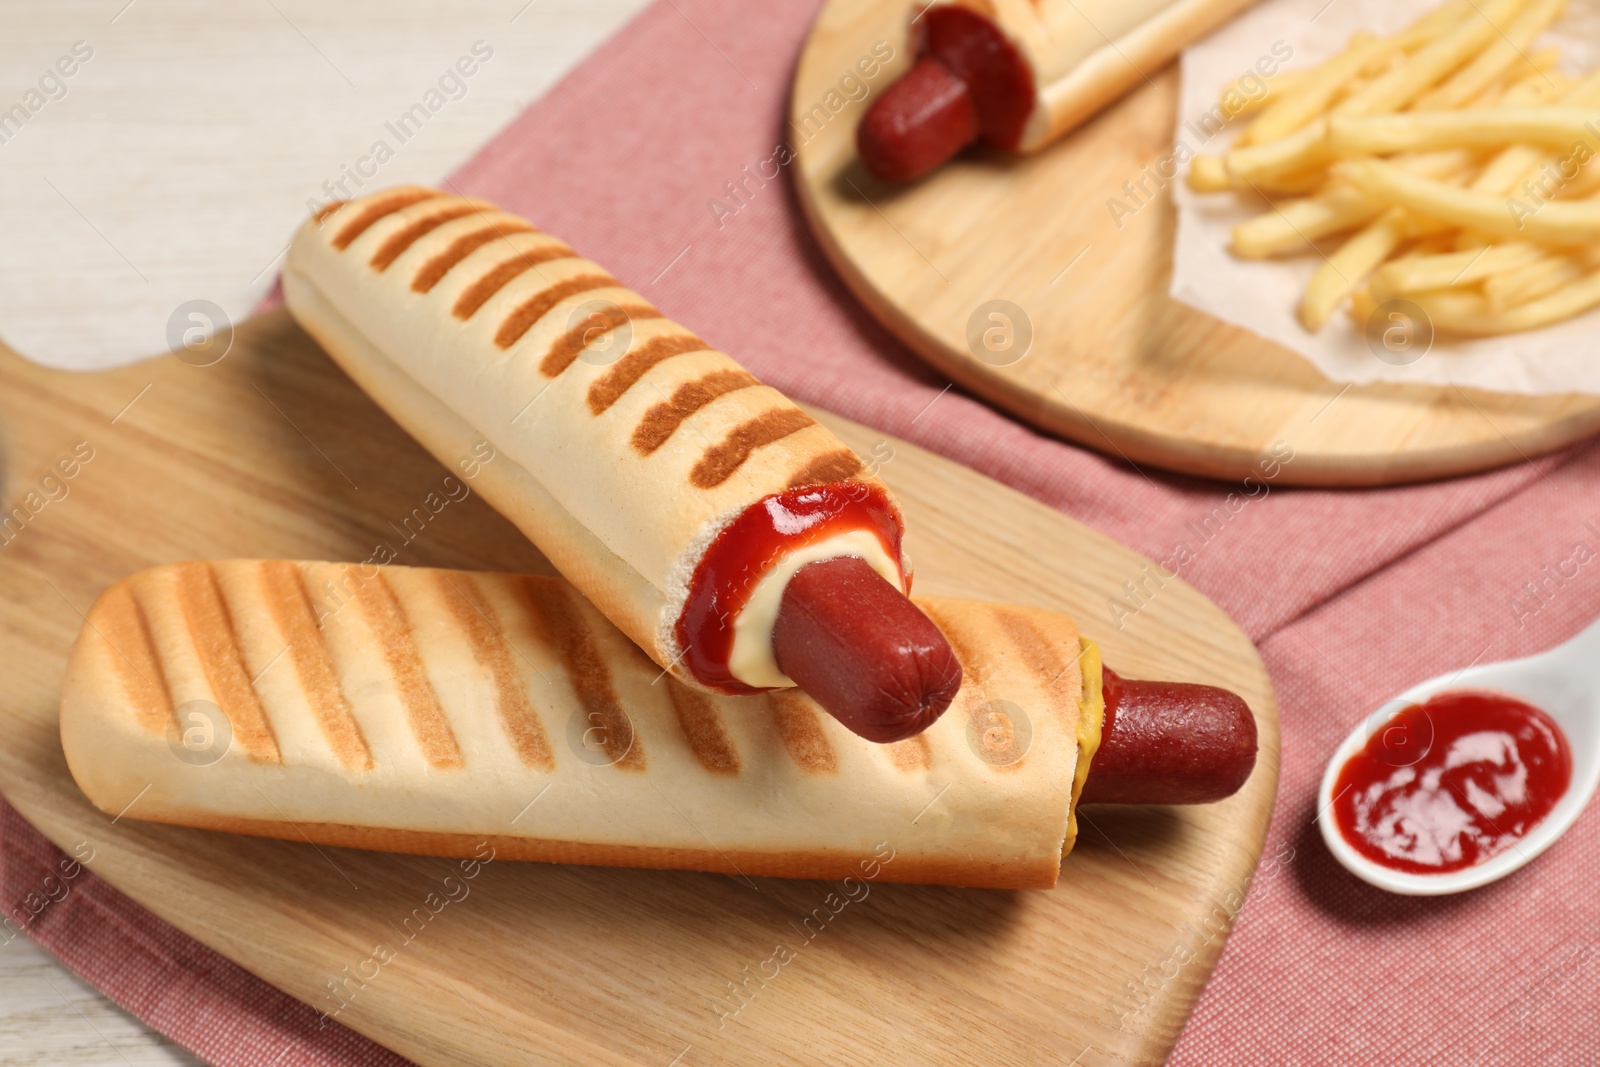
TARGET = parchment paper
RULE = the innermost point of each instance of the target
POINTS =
(1262, 295)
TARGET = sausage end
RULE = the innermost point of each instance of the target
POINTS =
(1170, 743)
(863, 651)
(919, 122)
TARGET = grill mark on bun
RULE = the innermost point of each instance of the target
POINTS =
(327, 209)
(802, 734)
(121, 621)
(912, 754)
(397, 242)
(570, 345)
(1045, 661)
(563, 624)
(974, 672)
(429, 274)
(537, 306)
(966, 657)
(476, 616)
(722, 460)
(392, 632)
(663, 420)
(284, 589)
(837, 466)
(626, 372)
(377, 209)
(478, 293)
(704, 729)
(1041, 658)
(215, 642)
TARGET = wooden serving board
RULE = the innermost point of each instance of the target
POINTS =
(1114, 363)
(272, 452)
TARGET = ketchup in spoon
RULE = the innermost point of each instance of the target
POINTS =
(1447, 784)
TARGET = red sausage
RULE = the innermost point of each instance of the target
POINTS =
(970, 83)
(863, 651)
(919, 122)
(1170, 743)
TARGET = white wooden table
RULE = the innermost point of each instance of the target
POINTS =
(52, 1018)
(155, 153)
(47, 1015)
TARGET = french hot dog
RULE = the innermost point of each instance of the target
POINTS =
(678, 493)
(1018, 74)
(429, 711)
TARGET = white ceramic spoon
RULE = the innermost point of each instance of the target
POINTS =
(1565, 683)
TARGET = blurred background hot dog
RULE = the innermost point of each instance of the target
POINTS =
(1018, 74)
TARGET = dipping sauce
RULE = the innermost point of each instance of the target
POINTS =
(1447, 784)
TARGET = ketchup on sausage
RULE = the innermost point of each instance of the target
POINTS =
(1447, 784)
(750, 545)
(852, 641)
(970, 83)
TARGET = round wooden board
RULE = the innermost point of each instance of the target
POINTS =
(1114, 364)
(274, 453)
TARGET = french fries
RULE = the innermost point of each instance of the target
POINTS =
(1297, 223)
(1449, 164)
(1444, 270)
(1367, 56)
(1418, 131)
(1555, 222)
(1491, 64)
(1463, 311)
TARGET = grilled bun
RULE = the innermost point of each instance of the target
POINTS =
(429, 711)
(628, 443)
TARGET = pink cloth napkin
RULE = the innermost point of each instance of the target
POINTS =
(1351, 596)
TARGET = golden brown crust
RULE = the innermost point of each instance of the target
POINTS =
(663, 420)
(628, 370)
(476, 617)
(622, 595)
(723, 459)
(568, 630)
(284, 590)
(123, 625)
(392, 630)
(218, 646)
(704, 730)
(839, 466)
(911, 754)
(1046, 660)
(802, 734)
(536, 307)
(416, 229)
(599, 322)
(478, 293)
(434, 270)
(817, 864)
(361, 219)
